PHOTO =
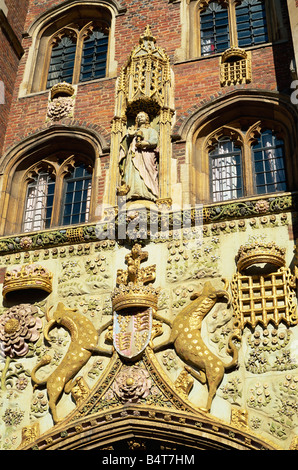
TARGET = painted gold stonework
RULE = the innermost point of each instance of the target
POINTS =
(27, 277)
(144, 84)
(177, 338)
(84, 339)
(262, 297)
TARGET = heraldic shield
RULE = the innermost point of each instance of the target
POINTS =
(132, 331)
(134, 304)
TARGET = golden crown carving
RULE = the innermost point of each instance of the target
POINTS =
(29, 276)
(260, 252)
(134, 295)
(234, 53)
(131, 290)
(63, 88)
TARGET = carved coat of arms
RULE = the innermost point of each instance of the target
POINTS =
(134, 304)
(132, 331)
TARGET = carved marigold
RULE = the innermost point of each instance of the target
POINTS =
(18, 327)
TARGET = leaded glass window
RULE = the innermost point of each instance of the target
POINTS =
(62, 61)
(269, 165)
(78, 53)
(227, 25)
(251, 23)
(94, 57)
(226, 171)
(77, 196)
(214, 29)
(39, 202)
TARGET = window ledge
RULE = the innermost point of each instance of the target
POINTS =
(44, 92)
(219, 54)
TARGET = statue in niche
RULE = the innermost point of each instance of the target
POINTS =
(138, 160)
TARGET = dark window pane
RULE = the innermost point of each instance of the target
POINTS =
(251, 23)
(61, 62)
(77, 195)
(214, 29)
(269, 164)
(94, 56)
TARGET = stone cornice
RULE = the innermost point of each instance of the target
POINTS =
(194, 217)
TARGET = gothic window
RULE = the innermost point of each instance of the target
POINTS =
(94, 57)
(214, 29)
(251, 23)
(39, 201)
(245, 160)
(269, 165)
(60, 197)
(77, 195)
(62, 61)
(225, 24)
(226, 171)
(78, 53)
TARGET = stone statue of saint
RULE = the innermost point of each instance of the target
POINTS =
(138, 160)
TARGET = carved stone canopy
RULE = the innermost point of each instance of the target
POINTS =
(146, 76)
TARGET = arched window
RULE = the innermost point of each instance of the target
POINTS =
(94, 56)
(76, 195)
(251, 23)
(39, 201)
(78, 53)
(75, 43)
(57, 196)
(50, 180)
(215, 35)
(62, 61)
(226, 170)
(241, 159)
(269, 165)
(225, 24)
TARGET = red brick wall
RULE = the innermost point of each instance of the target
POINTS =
(196, 81)
(9, 59)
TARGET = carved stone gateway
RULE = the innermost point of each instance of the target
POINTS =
(161, 368)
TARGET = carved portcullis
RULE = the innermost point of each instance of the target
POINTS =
(268, 297)
(134, 304)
